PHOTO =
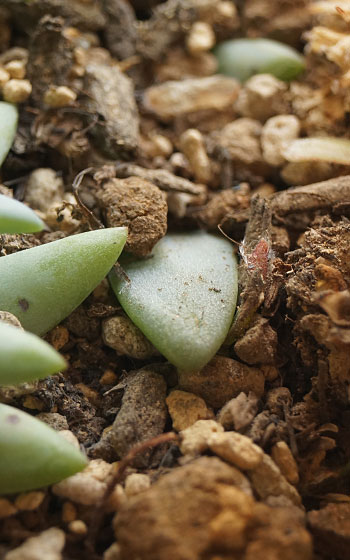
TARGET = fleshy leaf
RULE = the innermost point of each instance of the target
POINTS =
(33, 454)
(8, 127)
(25, 357)
(183, 297)
(43, 285)
(16, 217)
(242, 58)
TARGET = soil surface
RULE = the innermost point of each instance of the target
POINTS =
(124, 121)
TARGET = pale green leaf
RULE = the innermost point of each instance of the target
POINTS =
(25, 357)
(242, 58)
(33, 454)
(16, 217)
(43, 285)
(8, 127)
(183, 297)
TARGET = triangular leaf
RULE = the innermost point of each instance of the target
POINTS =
(8, 127)
(16, 217)
(25, 357)
(183, 297)
(43, 285)
(33, 454)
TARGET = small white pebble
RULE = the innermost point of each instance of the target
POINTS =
(194, 440)
(17, 91)
(48, 545)
(201, 38)
(59, 96)
(16, 69)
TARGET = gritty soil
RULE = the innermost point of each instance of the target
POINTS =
(124, 121)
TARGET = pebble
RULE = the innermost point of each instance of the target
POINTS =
(16, 91)
(48, 545)
(268, 480)
(194, 440)
(54, 419)
(7, 508)
(86, 487)
(237, 449)
(136, 483)
(186, 408)
(284, 459)
(221, 380)
(29, 501)
(126, 338)
(44, 189)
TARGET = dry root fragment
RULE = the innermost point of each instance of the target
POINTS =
(139, 205)
(126, 339)
(262, 97)
(192, 145)
(221, 380)
(16, 91)
(237, 449)
(194, 439)
(175, 98)
(185, 409)
(276, 133)
(49, 545)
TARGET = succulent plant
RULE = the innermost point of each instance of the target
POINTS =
(183, 297)
(8, 123)
(242, 58)
(16, 217)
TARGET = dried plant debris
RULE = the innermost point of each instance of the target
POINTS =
(125, 120)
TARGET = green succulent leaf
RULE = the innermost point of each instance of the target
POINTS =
(16, 217)
(25, 357)
(8, 127)
(33, 454)
(242, 58)
(43, 285)
(183, 297)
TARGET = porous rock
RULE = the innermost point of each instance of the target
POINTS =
(140, 206)
(237, 449)
(221, 380)
(143, 412)
(195, 438)
(49, 545)
(126, 338)
(259, 344)
(186, 408)
(201, 511)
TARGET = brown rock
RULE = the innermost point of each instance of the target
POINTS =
(239, 412)
(268, 480)
(331, 529)
(172, 519)
(143, 412)
(195, 438)
(284, 459)
(186, 408)
(221, 380)
(198, 512)
(258, 345)
(237, 449)
(139, 205)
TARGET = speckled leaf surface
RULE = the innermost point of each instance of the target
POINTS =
(43, 285)
(8, 127)
(33, 454)
(242, 58)
(25, 357)
(16, 217)
(183, 297)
